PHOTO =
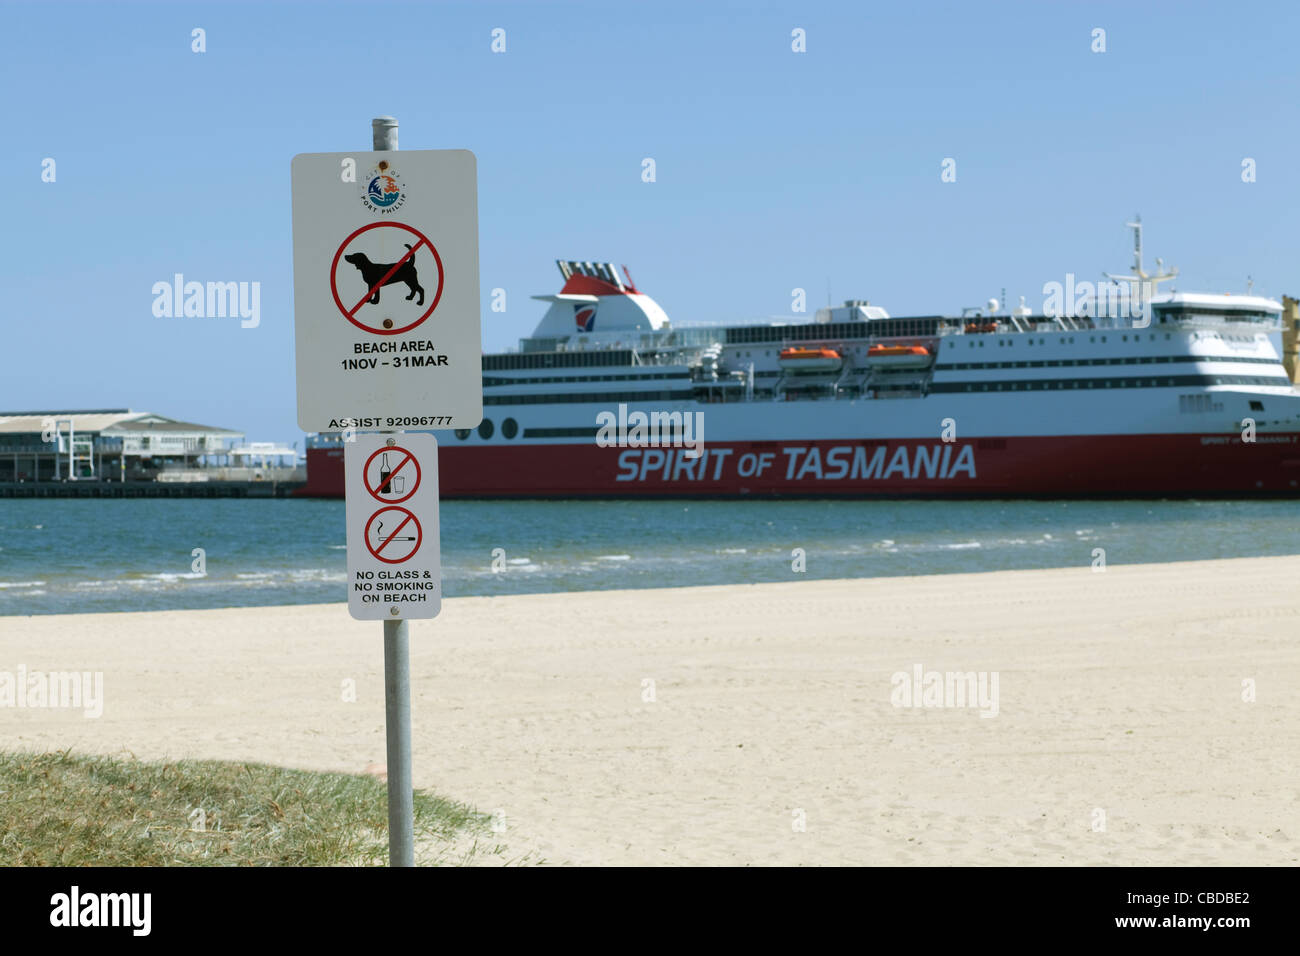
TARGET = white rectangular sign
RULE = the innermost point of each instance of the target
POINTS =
(385, 290)
(394, 558)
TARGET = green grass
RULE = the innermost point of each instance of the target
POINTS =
(62, 809)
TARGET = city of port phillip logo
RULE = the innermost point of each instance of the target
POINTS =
(385, 192)
(584, 314)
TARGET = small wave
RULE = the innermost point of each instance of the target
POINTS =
(614, 557)
(962, 546)
(317, 574)
(21, 584)
(515, 564)
(168, 576)
(732, 551)
(338, 547)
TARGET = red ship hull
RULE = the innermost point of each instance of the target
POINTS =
(1076, 466)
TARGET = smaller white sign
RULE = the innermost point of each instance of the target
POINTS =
(394, 558)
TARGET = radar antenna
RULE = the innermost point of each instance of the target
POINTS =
(1140, 276)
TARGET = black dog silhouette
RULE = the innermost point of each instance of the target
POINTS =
(372, 273)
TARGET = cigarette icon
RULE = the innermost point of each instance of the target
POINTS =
(379, 535)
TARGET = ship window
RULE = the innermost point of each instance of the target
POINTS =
(486, 428)
(509, 428)
(1256, 406)
(462, 433)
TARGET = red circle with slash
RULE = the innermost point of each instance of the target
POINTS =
(375, 492)
(397, 536)
(350, 314)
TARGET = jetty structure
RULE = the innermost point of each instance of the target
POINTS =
(121, 453)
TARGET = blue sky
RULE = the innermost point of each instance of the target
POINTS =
(775, 169)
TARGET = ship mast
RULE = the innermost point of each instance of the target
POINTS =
(1140, 277)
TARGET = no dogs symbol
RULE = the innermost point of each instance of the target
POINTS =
(374, 267)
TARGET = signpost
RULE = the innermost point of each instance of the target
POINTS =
(386, 323)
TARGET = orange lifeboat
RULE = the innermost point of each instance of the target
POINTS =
(810, 360)
(899, 356)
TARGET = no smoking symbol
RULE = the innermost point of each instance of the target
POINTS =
(393, 535)
(400, 269)
(391, 474)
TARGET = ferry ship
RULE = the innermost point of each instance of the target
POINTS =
(608, 399)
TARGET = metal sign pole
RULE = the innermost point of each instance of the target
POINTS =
(397, 719)
(397, 673)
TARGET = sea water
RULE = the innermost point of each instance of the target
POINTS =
(84, 555)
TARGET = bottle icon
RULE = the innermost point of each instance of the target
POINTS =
(384, 473)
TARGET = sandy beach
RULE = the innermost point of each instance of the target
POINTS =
(760, 724)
